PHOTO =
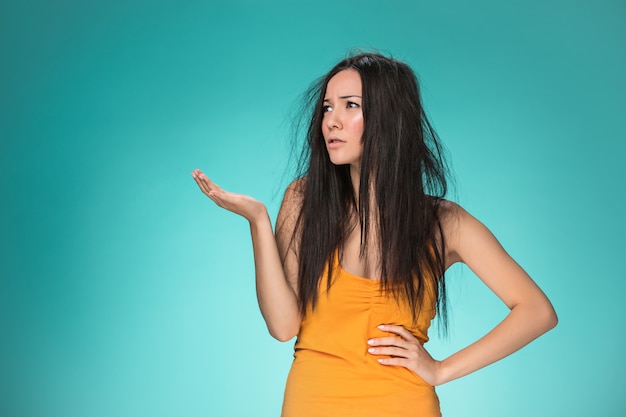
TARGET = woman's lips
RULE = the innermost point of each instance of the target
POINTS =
(334, 142)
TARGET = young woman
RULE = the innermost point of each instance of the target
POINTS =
(363, 239)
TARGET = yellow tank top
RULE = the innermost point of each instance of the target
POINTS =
(333, 374)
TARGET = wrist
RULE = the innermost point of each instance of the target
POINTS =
(442, 373)
(258, 216)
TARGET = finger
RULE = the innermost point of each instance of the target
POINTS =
(388, 341)
(399, 330)
(211, 184)
(202, 179)
(395, 362)
(196, 174)
(207, 186)
(392, 351)
(204, 187)
(198, 177)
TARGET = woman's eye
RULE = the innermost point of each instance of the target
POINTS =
(353, 105)
(326, 109)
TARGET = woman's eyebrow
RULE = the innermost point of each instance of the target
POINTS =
(345, 97)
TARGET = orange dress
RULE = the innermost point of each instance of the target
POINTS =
(333, 374)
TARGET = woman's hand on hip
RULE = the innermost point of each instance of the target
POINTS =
(240, 204)
(405, 350)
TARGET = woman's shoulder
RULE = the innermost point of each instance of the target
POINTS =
(292, 200)
(462, 230)
(289, 213)
(452, 215)
(295, 191)
(452, 218)
(297, 186)
(447, 208)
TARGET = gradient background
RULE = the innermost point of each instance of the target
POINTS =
(125, 292)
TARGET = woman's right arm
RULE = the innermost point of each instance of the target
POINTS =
(276, 280)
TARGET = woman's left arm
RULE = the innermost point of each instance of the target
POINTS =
(531, 313)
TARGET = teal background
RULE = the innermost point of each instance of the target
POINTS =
(125, 292)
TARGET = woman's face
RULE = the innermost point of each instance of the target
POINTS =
(342, 124)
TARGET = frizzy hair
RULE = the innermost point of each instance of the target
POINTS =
(402, 165)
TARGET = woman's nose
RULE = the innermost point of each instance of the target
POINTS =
(333, 120)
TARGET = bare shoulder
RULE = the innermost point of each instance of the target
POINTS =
(296, 188)
(452, 214)
(462, 231)
(292, 200)
(288, 214)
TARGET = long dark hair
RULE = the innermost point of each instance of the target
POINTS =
(402, 165)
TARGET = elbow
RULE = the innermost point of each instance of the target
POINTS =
(283, 327)
(284, 333)
(540, 316)
(553, 320)
(548, 317)
(282, 336)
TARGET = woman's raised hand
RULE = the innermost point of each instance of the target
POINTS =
(240, 204)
